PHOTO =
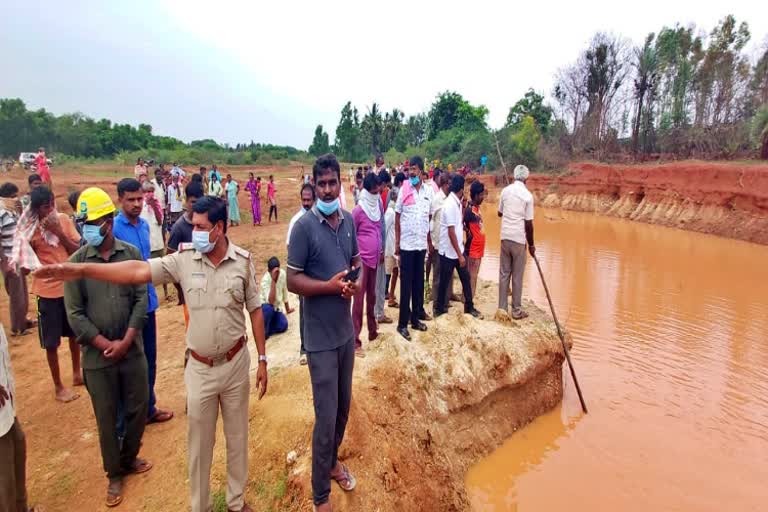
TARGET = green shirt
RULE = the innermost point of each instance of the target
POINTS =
(97, 307)
(281, 290)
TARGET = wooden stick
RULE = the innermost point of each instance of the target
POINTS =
(562, 338)
(501, 159)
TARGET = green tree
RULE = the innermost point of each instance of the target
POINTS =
(320, 144)
(348, 136)
(372, 128)
(451, 110)
(646, 63)
(531, 104)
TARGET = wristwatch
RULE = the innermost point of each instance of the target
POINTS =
(263, 358)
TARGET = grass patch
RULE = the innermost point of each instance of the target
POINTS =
(219, 501)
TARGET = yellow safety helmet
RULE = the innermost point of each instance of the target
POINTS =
(94, 204)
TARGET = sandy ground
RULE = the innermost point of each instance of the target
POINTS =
(64, 463)
(410, 401)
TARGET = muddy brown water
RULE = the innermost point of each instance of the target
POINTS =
(671, 349)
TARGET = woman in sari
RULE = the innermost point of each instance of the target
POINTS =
(234, 209)
(254, 188)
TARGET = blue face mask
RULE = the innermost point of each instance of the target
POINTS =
(92, 234)
(327, 208)
(415, 180)
(201, 241)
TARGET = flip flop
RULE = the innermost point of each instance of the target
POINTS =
(345, 480)
(139, 466)
(114, 494)
(160, 416)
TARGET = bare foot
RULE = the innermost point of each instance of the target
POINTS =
(66, 395)
(77, 380)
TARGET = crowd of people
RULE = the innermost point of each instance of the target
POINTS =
(94, 277)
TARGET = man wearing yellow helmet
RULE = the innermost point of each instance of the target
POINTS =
(108, 320)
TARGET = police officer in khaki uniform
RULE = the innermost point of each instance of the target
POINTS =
(218, 282)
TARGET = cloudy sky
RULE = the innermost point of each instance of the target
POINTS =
(271, 71)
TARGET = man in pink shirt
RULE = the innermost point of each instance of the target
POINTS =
(368, 217)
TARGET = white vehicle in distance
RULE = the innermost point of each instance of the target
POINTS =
(27, 160)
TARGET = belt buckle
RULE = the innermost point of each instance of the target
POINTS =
(219, 360)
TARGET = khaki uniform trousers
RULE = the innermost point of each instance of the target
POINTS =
(511, 265)
(209, 388)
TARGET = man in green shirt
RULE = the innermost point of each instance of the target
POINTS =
(107, 320)
(274, 299)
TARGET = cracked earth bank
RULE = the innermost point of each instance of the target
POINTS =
(424, 411)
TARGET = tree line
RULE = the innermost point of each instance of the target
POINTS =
(79, 136)
(683, 93)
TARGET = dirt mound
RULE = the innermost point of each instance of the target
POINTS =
(725, 199)
(424, 411)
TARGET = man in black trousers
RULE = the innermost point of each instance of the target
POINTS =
(322, 250)
(412, 239)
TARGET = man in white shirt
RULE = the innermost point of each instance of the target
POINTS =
(307, 200)
(391, 265)
(412, 239)
(307, 195)
(451, 250)
(516, 212)
(443, 181)
(175, 201)
(13, 450)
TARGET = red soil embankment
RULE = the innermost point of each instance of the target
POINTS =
(725, 199)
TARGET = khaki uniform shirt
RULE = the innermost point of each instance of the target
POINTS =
(215, 296)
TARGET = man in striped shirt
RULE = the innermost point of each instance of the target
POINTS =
(15, 282)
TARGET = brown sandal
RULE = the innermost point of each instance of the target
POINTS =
(114, 493)
(139, 466)
(345, 479)
(160, 416)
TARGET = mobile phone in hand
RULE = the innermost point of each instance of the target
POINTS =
(352, 275)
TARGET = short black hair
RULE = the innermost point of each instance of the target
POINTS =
(127, 185)
(196, 178)
(202, 168)
(194, 189)
(417, 161)
(476, 188)
(370, 181)
(273, 263)
(39, 197)
(359, 175)
(34, 177)
(325, 163)
(158, 170)
(72, 199)
(8, 189)
(399, 179)
(457, 183)
(309, 187)
(215, 207)
(384, 177)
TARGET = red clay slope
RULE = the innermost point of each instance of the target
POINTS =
(725, 199)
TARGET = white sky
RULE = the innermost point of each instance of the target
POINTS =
(271, 71)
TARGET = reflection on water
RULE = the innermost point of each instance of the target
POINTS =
(671, 352)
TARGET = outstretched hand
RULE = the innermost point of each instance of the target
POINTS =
(59, 272)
